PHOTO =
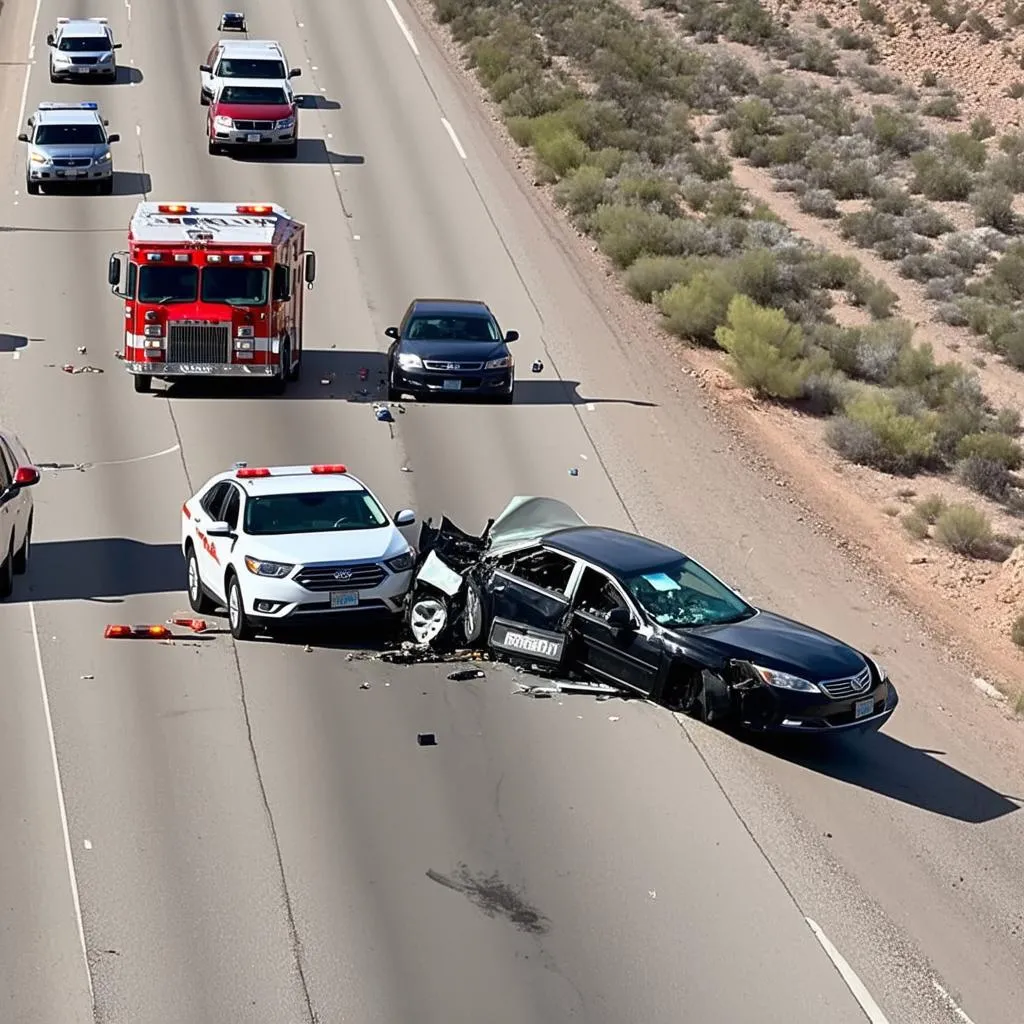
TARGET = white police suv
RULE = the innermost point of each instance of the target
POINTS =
(287, 544)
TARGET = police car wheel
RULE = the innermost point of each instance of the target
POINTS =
(241, 627)
(197, 599)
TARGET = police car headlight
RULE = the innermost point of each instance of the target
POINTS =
(498, 364)
(224, 123)
(39, 158)
(408, 361)
(278, 570)
(401, 563)
(288, 122)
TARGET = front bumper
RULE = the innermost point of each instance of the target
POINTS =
(437, 382)
(70, 175)
(284, 601)
(75, 71)
(282, 137)
(202, 369)
(786, 712)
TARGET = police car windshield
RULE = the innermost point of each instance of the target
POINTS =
(168, 284)
(84, 44)
(316, 512)
(452, 328)
(684, 594)
(237, 286)
(69, 135)
(250, 95)
(236, 68)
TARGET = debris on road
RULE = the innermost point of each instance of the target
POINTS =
(308, 649)
(146, 632)
(196, 625)
(574, 471)
(406, 469)
(537, 366)
(383, 413)
(71, 368)
(426, 739)
(364, 685)
(462, 674)
(81, 350)
(557, 687)
(87, 677)
(329, 379)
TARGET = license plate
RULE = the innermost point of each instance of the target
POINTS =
(344, 599)
(537, 644)
(863, 708)
(80, 71)
(253, 137)
(452, 385)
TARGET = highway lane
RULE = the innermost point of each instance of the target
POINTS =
(181, 880)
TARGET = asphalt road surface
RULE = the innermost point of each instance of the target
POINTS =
(243, 833)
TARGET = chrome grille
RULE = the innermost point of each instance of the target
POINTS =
(853, 686)
(192, 342)
(319, 578)
(254, 126)
(433, 364)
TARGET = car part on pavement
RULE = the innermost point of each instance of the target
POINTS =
(148, 632)
(426, 739)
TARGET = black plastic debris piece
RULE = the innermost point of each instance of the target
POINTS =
(537, 366)
(426, 739)
(383, 413)
(462, 674)
(574, 471)
(364, 686)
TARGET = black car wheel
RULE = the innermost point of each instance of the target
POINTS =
(204, 100)
(474, 615)
(713, 704)
(31, 187)
(7, 574)
(197, 599)
(21, 558)
(106, 186)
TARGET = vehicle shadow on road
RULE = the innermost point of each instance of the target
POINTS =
(311, 151)
(312, 101)
(893, 769)
(132, 183)
(103, 569)
(128, 76)
(13, 342)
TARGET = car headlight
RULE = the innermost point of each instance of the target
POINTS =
(39, 158)
(408, 361)
(224, 123)
(785, 681)
(105, 59)
(401, 563)
(883, 675)
(105, 159)
(498, 364)
(288, 122)
(61, 58)
(258, 567)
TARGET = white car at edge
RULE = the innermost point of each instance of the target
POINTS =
(293, 544)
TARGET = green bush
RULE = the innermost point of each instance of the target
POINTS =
(694, 309)
(945, 107)
(965, 149)
(993, 446)
(1017, 636)
(982, 127)
(871, 12)
(1011, 348)
(830, 270)
(766, 350)
(560, 151)
(651, 275)
(877, 296)
(915, 526)
(867, 227)
(993, 207)
(897, 131)
(928, 221)
(964, 529)
(582, 190)
(886, 439)
(930, 508)
(625, 233)
(939, 178)
(985, 476)
(819, 203)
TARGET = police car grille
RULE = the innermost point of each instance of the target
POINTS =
(198, 343)
(70, 163)
(84, 60)
(324, 577)
(840, 689)
(442, 365)
(254, 126)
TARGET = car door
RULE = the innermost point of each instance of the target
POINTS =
(211, 551)
(526, 592)
(611, 652)
(20, 502)
(8, 500)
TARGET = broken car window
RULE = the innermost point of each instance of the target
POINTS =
(546, 569)
(683, 593)
(597, 594)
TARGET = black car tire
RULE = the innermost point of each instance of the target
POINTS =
(31, 187)
(238, 621)
(212, 148)
(143, 383)
(7, 574)
(197, 598)
(279, 383)
(204, 100)
(54, 78)
(713, 702)
(474, 619)
(21, 557)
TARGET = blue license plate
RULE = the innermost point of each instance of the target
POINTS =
(344, 599)
(863, 708)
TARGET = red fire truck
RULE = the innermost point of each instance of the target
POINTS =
(212, 290)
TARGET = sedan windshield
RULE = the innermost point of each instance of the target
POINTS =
(69, 135)
(84, 44)
(453, 328)
(317, 512)
(252, 95)
(683, 594)
(252, 69)
(168, 284)
(237, 286)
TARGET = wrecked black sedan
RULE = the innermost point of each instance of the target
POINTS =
(542, 587)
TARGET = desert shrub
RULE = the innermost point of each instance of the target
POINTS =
(866, 353)
(891, 200)
(1017, 636)
(939, 178)
(897, 132)
(930, 508)
(980, 24)
(582, 190)
(926, 267)
(967, 150)
(819, 203)
(906, 243)
(943, 289)
(915, 526)
(1011, 347)
(825, 391)
(1013, 13)
(879, 299)
(867, 228)
(830, 270)
(847, 39)
(848, 179)
(992, 446)
(1005, 284)
(966, 251)
(993, 207)
(871, 12)
(927, 221)
(636, 188)
(985, 476)
(1015, 90)
(945, 107)
(880, 435)
(964, 529)
(1006, 421)
(625, 233)
(814, 54)
(651, 275)
(982, 127)
(694, 309)
(951, 313)
(873, 81)
(560, 151)
(765, 349)
(1007, 169)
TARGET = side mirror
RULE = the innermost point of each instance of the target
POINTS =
(23, 137)
(309, 269)
(406, 517)
(26, 476)
(206, 69)
(114, 271)
(511, 336)
(111, 139)
(50, 41)
(295, 73)
(117, 46)
(619, 618)
(392, 332)
(219, 529)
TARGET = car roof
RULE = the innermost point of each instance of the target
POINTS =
(616, 551)
(250, 47)
(255, 83)
(293, 480)
(68, 116)
(84, 27)
(456, 306)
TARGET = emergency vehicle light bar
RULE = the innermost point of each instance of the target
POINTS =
(246, 472)
(68, 106)
(173, 207)
(115, 632)
(321, 470)
(255, 208)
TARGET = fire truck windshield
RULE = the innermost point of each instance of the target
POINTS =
(236, 286)
(69, 135)
(168, 284)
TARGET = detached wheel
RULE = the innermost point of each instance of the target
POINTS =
(21, 557)
(428, 618)
(197, 599)
(241, 627)
(143, 383)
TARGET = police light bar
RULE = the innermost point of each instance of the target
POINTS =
(118, 632)
(322, 469)
(173, 207)
(248, 473)
(68, 106)
(257, 209)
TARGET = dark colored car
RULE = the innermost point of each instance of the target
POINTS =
(450, 347)
(17, 477)
(541, 586)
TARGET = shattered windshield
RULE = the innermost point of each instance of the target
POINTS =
(683, 594)
(313, 512)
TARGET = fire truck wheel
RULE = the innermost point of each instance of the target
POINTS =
(32, 187)
(143, 383)
(241, 627)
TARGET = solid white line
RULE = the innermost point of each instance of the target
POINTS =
(455, 139)
(952, 1003)
(855, 985)
(72, 877)
(402, 25)
(28, 67)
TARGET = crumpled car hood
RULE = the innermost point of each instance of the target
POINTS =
(526, 520)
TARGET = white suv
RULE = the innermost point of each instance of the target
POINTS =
(82, 48)
(292, 543)
(242, 58)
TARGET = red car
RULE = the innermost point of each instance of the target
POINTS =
(254, 112)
